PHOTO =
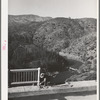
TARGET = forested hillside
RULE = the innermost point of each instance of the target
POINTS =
(36, 41)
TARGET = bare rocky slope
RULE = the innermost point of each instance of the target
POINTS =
(29, 35)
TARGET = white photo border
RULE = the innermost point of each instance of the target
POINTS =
(4, 52)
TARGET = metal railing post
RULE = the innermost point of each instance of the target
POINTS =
(38, 77)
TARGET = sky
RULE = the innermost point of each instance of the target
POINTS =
(54, 8)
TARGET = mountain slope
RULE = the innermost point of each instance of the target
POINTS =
(84, 48)
(58, 33)
(74, 37)
(26, 18)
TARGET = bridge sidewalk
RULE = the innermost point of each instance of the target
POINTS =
(79, 86)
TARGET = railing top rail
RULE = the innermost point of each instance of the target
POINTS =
(21, 70)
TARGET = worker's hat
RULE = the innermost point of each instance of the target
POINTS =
(42, 75)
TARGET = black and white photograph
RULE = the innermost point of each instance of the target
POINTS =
(52, 49)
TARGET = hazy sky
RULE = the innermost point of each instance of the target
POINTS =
(54, 8)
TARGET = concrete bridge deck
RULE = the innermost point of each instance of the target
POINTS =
(25, 91)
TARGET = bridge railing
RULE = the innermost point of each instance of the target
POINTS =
(24, 76)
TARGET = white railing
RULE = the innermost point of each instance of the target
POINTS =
(25, 76)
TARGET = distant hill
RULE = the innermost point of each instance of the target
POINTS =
(76, 38)
(26, 18)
